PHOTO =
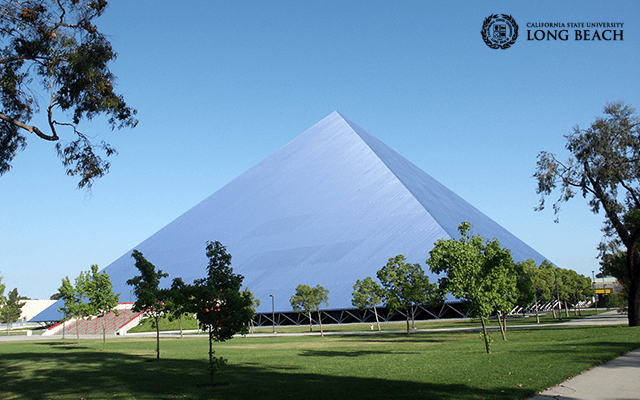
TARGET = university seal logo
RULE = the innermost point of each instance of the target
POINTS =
(499, 31)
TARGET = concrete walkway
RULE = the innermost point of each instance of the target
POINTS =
(617, 379)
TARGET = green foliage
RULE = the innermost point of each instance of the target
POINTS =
(11, 308)
(221, 307)
(149, 297)
(254, 302)
(2, 288)
(540, 282)
(57, 45)
(99, 290)
(615, 264)
(3, 299)
(146, 286)
(178, 301)
(309, 299)
(405, 286)
(476, 270)
(603, 166)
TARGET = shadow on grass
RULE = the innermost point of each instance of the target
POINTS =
(422, 337)
(99, 375)
(349, 353)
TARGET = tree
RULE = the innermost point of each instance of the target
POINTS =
(252, 308)
(178, 301)
(102, 300)
(221, 307)
(615, 264)
(405, 285)
(3, 299)
(57, 45)
(12, 308)
(477, 270)
(308, 299)
(577, 288)
(75, 300)
(367, 294)
(150, 299)
(534, 283)
(604, 166)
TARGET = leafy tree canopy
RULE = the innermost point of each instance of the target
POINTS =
(367, 293)
(55, 46)
(405, 284)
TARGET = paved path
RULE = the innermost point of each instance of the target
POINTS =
(617, 379)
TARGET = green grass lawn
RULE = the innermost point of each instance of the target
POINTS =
(435, 365)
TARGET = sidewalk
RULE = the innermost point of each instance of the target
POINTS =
(617, 379)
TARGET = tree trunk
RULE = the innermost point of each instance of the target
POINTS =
(537, 313)
(320, 322)
(560, 310)
(407, 312)
(310, 322)
(375, 311)
(413, 317)
(484, 335)
(211, 371)
(633, 271)
(504, 337)
(566, 308)
(180, 323)
(157, 338)
(504, 321)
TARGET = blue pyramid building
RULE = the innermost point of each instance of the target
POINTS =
(330, 207)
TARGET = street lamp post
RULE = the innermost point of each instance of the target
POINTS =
(273, 312)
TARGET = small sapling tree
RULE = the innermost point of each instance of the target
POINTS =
(367, 294)
(12, 308)
(150, 299)
(221, 307)
(75, 301)
(405, 285)
(102, 300)
(178, 301)
(476, 270)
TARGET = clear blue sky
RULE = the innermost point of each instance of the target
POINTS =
(220, 85)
